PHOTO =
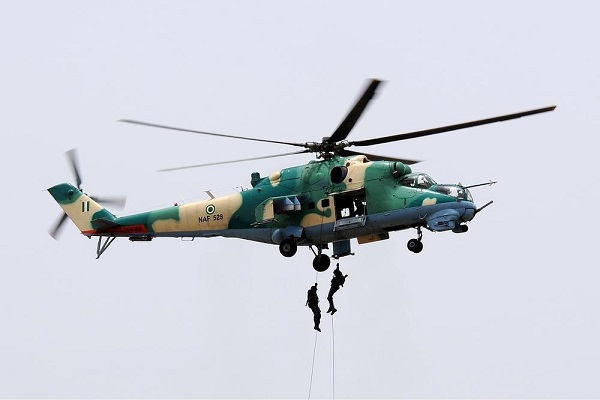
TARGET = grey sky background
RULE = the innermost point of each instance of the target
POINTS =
(508, 310)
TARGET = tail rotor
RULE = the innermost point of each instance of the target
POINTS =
(116, 201)
(56, 228)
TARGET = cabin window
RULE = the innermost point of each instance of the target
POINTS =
(325, 203)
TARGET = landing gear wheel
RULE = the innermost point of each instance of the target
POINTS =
(419, 247)
(415, 245)
(321, 262)
(288, 248)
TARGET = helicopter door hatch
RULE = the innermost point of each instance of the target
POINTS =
(350, 210)
(342, 249)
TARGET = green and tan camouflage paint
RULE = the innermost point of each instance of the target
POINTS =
(311, 183)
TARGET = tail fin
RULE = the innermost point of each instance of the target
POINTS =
(79, 207)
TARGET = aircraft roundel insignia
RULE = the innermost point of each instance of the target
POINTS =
(210, 209)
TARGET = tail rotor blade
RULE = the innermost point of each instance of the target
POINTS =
(117, 201)
(54, 231)
(74, 163)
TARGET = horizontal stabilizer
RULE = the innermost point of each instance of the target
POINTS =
(103, 223)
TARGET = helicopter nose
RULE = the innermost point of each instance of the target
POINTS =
(469, 213)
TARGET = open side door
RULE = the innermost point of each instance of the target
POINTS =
(350, 210)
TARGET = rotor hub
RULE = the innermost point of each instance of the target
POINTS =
(325, 149)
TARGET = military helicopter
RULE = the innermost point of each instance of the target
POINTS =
(342, 195)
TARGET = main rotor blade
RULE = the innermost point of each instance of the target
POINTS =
(234, 161)
(374, 157)
(57, 225)
(130, 121)
(74, 163)
(348, 123)
(434, 131)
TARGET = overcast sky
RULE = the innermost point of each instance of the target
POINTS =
(509, 309)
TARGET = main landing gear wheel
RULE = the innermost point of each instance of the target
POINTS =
(288, 248)
(415, 245)
(321, 262)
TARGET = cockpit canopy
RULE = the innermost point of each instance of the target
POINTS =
(424, 181)
(417, 180)
(459, 192)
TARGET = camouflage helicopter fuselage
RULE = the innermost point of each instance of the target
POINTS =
(327, 201)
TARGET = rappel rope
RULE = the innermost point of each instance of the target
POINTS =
(332, 360)
(312, 369)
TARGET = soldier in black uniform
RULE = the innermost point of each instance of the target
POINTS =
(336, 282)
(312, 302)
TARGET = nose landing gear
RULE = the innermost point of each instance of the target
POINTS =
(415, 245)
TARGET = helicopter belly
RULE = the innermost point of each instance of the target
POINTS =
(437, 217)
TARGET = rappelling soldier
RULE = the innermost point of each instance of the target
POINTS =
(336, 282)
(312, 302)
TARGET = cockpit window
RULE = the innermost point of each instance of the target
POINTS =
(421, 181)
(455, 191)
